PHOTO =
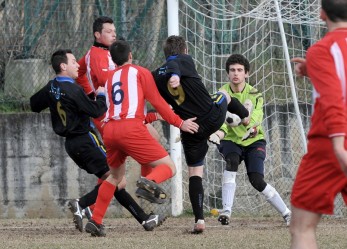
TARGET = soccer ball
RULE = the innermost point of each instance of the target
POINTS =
(232, 119)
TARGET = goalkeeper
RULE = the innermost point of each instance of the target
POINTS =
(245, 142)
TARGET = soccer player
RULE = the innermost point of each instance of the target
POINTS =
(95, 67)
(322, 173)
(244, 142)
(180, 85)
(125, 134)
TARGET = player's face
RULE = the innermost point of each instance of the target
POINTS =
(237, 74)
(72, 66)
(107, 35)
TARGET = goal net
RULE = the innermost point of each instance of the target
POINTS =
(214, 29)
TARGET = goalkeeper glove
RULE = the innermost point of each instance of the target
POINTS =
(214, 138)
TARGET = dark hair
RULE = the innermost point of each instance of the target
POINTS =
(119, 51)
(99, 22)
(237, 59)
(59, 57)
(336, 10)
(174, 45)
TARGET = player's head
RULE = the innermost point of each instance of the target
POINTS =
(104, 30)
(237, 68)
(64, 63)
(120, 52)
(175, 45)
(335, 10)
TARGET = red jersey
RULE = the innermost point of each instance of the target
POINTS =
(327, 68)
(128, 88)
(95, 66)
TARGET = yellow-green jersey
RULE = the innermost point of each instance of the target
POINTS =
(236, 134)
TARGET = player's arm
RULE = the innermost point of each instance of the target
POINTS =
(82, 79)
(92, 108)
(300, 66)
(322, 71)
(39, 101)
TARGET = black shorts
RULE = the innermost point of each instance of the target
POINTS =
(88, 152)
(195, 146)
(253, 154)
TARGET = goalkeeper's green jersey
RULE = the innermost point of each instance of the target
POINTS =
(235, 134)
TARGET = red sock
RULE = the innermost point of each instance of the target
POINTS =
(145, 170)
(100, 181)
(105, 194)
(160, 173)
(91, 207)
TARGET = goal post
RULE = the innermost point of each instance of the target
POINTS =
(269, 34)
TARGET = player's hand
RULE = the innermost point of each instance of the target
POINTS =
(300, 66)
(174, 81)
(251, 132)
(214, 138)
(100, 89)
(190, 126)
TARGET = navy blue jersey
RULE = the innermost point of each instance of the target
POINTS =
(70, 107)
(191, 98)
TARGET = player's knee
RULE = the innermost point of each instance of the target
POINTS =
(257, 181)
(232, 162)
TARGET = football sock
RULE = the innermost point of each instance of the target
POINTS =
(196, 195)
(106, 192)
(228, 189)
(237, 108)
(274, 198)
(89, 198)
(126, 200)
(145, 170)
(160, 173)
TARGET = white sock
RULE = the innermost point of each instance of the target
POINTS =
(228, 189)
(274, 198)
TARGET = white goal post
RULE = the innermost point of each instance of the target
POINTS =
(269, 33)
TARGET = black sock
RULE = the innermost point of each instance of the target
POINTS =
(126, 200)
(196, 195)
(90, 198)
(237, 108)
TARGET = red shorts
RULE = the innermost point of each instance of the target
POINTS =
(319, 179)
(130, 137)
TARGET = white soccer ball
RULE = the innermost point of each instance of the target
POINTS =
(232, 119)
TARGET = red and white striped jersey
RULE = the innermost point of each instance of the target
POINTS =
(94, 69)
(128, 88)
(327, 69)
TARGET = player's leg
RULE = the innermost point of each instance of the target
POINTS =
(232, 160)
(235, 106)
(254, 160)
(303, 228)
(105, 194)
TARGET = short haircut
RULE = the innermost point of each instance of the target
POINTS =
(237, 59)
(99, 22)
(174, 45)
(119, 51)
(336, 10)
(58, 57)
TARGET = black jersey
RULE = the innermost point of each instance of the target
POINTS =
(191, 98)
(70, 107)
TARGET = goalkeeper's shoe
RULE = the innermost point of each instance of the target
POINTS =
(224, 217)
(77, 214)
(287, 218)
(150, 191)
(199, 227)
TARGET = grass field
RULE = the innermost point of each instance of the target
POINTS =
(124, 233)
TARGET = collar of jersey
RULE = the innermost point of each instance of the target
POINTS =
(64, 78)
(171, 57)
(100, 45)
